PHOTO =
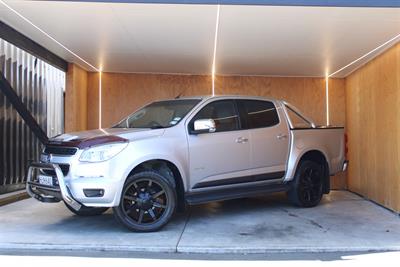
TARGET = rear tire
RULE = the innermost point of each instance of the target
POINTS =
(87, 211)
(307, 189)
(147, 203)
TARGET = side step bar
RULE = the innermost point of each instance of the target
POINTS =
(194, 198)
(66, 196)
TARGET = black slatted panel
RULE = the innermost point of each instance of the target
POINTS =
(18, 144)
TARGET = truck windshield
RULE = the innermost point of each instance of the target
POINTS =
(161, 114)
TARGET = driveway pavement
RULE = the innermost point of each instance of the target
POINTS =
(342, 222)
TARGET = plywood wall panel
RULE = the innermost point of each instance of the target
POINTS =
(308, 94)
(353, 134)
(337, 102)
(337, 116)
(373, 127)
(124, 93)
(75, 99)
(93, 101)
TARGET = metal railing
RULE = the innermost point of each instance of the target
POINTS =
(40, 87)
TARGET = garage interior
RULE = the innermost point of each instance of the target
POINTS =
(340, 65)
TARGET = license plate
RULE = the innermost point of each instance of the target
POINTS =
(45, 180)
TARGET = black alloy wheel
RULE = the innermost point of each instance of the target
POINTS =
(307, 188)
(147, 202)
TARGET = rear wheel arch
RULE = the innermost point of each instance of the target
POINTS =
(318, 157)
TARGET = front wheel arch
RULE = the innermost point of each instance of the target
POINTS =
(141, 192)
(170, 171)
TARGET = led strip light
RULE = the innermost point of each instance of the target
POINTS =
(394, 39)
(47, 35)
(327, 99)
(364, 56)
(215, 50)
(100, 92)
(66, 48)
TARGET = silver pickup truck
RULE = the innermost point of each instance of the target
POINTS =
(172, 153)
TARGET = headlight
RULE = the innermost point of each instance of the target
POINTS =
(102, 153)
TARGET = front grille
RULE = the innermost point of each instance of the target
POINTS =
(64, 168)
(58, 150)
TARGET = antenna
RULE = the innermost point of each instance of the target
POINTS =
(178, 96)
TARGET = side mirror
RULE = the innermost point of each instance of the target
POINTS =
(203, 126)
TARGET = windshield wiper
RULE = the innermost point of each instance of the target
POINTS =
(157, 127)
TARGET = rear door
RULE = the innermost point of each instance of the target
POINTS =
(268, 137)
(220, 158)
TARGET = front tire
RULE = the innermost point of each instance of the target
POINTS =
(87, 211)
(147, 203)
(307, 189)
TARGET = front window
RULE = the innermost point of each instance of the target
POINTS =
(223, 112)
(161, 114)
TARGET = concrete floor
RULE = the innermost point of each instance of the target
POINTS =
(342, 222)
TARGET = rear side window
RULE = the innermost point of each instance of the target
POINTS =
(258, 114)
(223, 112)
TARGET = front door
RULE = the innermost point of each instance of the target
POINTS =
(222, 157)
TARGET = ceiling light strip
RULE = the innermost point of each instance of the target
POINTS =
(327, 100)
(215, 50)
(367, 54)
(100, 93)
(46, 34)
(302, 3)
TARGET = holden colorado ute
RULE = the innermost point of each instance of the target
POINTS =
(187, 151)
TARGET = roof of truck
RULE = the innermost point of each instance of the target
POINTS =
(205, 97)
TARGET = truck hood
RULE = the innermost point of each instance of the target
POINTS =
(103, 136)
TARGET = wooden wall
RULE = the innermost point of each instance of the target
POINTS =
(93, 101)
(76, 99)
(124, 93)
(308, 94)
(373, 127)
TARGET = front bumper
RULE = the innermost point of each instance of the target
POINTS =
(53, 193)
(88, 184)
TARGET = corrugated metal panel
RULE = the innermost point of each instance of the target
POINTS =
(41, 87)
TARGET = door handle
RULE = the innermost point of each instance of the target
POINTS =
(281, 136)
(241, 140)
